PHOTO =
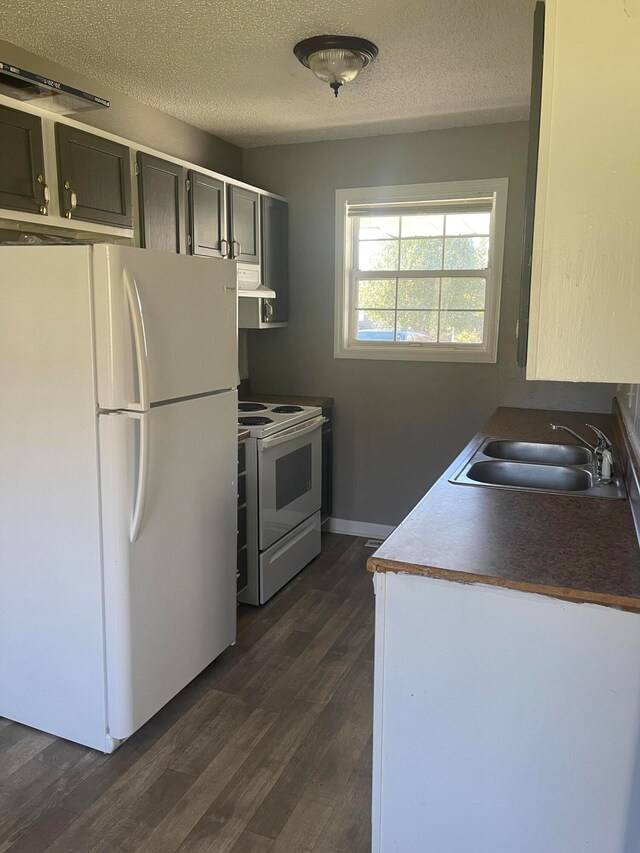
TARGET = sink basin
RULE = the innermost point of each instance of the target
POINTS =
(522, 475)
(529, 451)
(562, 469)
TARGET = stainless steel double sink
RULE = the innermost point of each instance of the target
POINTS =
(536, 466)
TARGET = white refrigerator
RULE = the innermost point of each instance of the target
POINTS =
(118, 468)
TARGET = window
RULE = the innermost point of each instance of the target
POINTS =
(419, 270)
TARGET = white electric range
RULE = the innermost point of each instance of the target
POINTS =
(284, 493)
(264, 419)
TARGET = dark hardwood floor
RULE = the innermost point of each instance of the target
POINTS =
(269, 749)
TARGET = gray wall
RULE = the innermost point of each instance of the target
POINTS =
(135, 121)
(397, 424)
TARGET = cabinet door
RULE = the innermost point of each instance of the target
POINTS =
(244, 215)
(22, 179)
(207, 212)
(532, 172)
(94, 177)
(275, 256)
(161, 198)
(585, 310)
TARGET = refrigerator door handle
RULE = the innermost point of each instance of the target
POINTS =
(140, 340)
(142, 480)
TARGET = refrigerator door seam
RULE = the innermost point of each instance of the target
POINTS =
(159, 403)
(188, 397)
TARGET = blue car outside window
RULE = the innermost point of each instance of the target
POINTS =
(382, 335)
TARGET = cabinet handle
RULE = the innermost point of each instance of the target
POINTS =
(224, 248)
(268, 311)
(73, 200)
(46, 195)
(234, 243)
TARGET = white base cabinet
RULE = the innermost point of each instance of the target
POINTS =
(585, 283)
(503, 721)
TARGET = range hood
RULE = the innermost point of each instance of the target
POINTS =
(249, 283)
(48, 94)
(257, 292)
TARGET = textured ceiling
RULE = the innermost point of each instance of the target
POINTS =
(228, 67)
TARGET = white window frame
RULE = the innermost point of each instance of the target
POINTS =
(345, 344)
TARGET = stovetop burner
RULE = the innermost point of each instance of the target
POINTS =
(251, 407)
(286, 410)
(254, 421)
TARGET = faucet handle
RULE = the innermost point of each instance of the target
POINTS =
(603, 442)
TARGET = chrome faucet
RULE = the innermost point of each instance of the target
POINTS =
(603, 458)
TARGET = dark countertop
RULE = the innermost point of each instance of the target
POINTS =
(288, 400)
(243, 434)
(575, 548)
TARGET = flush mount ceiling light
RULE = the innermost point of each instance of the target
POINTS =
(335, 60)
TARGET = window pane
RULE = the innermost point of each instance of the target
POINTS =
(423, 226)
(378, 255)
(468, 223)
(463, 293)
(423, 254)
(462, 327)
(379, 227)
(418, 292)
(466, 253)
(375, 326)
(377, 293)
(417, 326)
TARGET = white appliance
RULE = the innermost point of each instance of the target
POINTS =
(249, 284)
(284, 493)
(118, 446)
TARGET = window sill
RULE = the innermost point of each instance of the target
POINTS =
(419, 353)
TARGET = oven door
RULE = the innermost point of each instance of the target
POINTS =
(289, 479)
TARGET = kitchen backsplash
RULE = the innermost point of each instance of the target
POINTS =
(629, 399)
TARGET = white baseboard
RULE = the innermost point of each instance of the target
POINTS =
(358, 528)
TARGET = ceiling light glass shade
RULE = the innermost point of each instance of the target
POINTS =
(336, 66)
(335, 60)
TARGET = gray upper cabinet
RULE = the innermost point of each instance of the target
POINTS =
(22, 178)
(207, 216)
(275, 257)
(162, 208)
(180, 208)
(244, 225)
(94, 177)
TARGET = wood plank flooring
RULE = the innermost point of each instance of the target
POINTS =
(267, 751)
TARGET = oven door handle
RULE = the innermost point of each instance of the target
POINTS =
(293, 432)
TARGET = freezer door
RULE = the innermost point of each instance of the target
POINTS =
(168, 484)
(166, 326)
